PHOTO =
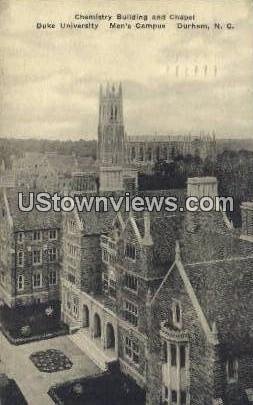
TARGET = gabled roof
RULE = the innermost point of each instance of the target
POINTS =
(206, 236)
(29, 220)
(224, 289)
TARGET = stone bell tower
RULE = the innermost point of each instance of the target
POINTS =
(111, 133)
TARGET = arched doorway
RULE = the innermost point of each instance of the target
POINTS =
(97, 326)
(110, 336)
(86, 317)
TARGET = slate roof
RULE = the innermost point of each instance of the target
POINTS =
(224, 289)
(164, 227)
(205, 237)
(30, 220)
(220, 268)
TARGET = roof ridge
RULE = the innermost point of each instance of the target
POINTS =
(228, 259)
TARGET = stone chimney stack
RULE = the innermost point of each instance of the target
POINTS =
(202, 187)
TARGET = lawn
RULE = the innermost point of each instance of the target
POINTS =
(36, 321)
(104, 389)
(10, 393)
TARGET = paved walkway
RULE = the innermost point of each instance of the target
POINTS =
(15, 362)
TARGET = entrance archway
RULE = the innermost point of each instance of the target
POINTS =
(110, 336)
(97, 326)
(86, 317)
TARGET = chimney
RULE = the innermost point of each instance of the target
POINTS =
(147, 239)
(202, 187)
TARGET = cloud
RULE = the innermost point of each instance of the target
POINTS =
(49, 78)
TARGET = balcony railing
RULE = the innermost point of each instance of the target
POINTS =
(168, 331)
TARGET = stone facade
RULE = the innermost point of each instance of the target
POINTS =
(30, 254)
(158, 301)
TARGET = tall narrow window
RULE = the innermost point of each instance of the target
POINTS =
(37, 235)
(132, 350)
(37, 280)
(183, 397)
(20, 259)
(130, 251)
(131, 313)
(173, 350)
(165, 352)
(52, 254)
(182, 356)
(52, 234)
(37, 257)
(177, 314)
(52, 278)
(174, 397)
(20, 285)
(232, 370)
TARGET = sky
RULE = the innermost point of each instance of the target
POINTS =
(174, 81)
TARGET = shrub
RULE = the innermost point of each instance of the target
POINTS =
(26, 331)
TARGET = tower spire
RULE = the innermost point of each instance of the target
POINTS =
(111, 134)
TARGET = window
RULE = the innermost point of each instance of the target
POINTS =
(164, 352)
(20, 237)
(71, 278)
(232, 370)
(105, 282)
(21, 283)
(112, 288)
(52, 254)
(107, 257)
(165, 393)
(177, 314)
(131, 282)
(20, 259)
(182, 356)
(183, 397)
(37, 235)
(174, 397)
(37, 258)
(132, 350)
(130, 251)
(109, 284)
(75, 307)
(52, 278)
(37, 280)
(173, 352)
(53, 234)
(131, 313)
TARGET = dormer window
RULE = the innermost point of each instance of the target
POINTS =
(232, 370)
(177, 314)
(130, 251)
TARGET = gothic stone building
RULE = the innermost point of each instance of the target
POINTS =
(167, 296)
(29, 253)
(115, 148)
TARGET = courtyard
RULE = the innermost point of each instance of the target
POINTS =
(16, 363)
